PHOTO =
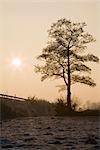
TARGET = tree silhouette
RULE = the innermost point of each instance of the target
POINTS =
(63, 55)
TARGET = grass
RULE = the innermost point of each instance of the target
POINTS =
(34, 107)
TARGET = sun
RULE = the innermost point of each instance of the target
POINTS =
(16, 62)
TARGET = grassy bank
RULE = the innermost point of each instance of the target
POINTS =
(33, 107)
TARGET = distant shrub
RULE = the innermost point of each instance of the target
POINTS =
(93, 105)
(60, 107)
(12, 109)
(38, 107)
(28, 108)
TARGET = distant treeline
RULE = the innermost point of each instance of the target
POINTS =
(33, 107)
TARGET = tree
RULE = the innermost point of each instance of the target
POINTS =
(63, 55)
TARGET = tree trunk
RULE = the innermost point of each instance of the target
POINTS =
(69, 85)
(69, 99)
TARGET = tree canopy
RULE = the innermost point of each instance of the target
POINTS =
(64, 54)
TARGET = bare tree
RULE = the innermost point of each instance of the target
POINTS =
(63, 56)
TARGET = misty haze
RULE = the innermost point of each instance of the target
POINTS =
(50, 75)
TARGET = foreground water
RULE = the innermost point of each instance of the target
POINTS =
(51, 133)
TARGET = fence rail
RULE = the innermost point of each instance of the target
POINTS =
(11, 97)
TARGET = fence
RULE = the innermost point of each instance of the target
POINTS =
(11, 97)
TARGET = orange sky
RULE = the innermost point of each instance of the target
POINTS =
(23, 34)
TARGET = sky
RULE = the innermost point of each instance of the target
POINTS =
(23, 35)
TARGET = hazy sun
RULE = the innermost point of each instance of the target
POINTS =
(16, 62)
